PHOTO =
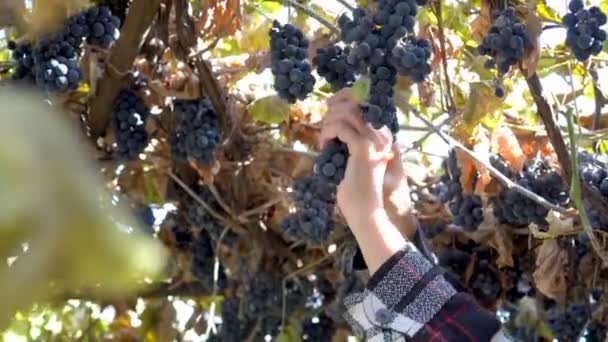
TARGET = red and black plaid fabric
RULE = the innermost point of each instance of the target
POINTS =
(460, 319)
(408, 299)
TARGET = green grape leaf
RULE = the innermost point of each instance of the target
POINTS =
(270, 109)
(361, 89)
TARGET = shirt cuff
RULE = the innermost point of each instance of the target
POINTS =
(405, 293)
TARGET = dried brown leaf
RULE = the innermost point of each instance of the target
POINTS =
(482, 148)
(495, 235)
(505, 143)
(550, 274)
(558, 226)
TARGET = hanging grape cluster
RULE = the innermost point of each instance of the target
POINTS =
(466, 208)
(505, 44)
(567, 325)
(200, 217)
(197, 133)
(24, 68)
(331, 64)
(129, 120)
(288, 53)
(103, 26)
(52, 63)
(374, 39)
(584, 36)
(203, 262)
(314, 202)
(513, 208)
(411, 58)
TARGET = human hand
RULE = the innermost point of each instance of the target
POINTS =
(360, 194)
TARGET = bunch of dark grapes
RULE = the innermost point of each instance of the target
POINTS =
(53, 61)
(596, 331)
(593, 173)
(56, 63)
(320, 328)
(596, 219)
(103, 27)
(203, 262)
(411, 58)
(505, 44)
(484, 283)
(568, 325)
(521, 279)
(513, 208)
(312, 221)
(58, 74)
(183, 237)
(262, 294)
(380, 109)
(146, 217)
(197, 131)
(502, 166)
(466, 209)
(455, 262)
(199, 217)
(288, 53)
(129, 120)
(24, 68)
(75, 29)
(375, 38)
(330, 164)
(584, 37)
(233, 328)
(331, 64)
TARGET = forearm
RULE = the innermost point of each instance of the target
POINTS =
(399, 209)
(378, 239)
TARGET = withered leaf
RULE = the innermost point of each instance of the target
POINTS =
(550, 274)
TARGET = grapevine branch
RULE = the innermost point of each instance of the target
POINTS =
(140, 17)
(600, 100)
(444, 60)
(504, 179)
(568, 164)
(563, 155)
(432, 129)
(210, 87)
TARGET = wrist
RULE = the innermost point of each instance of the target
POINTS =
(378, 239)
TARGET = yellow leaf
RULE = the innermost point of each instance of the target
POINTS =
(269, 109)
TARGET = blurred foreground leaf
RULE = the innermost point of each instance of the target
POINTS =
(51, 201)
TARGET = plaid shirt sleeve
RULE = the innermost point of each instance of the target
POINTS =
(408, 299)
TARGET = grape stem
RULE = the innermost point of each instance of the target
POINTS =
(504, 179)
(418, 143)
(554, 26)
(140, 17)
(235, 226)
(313, 15)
